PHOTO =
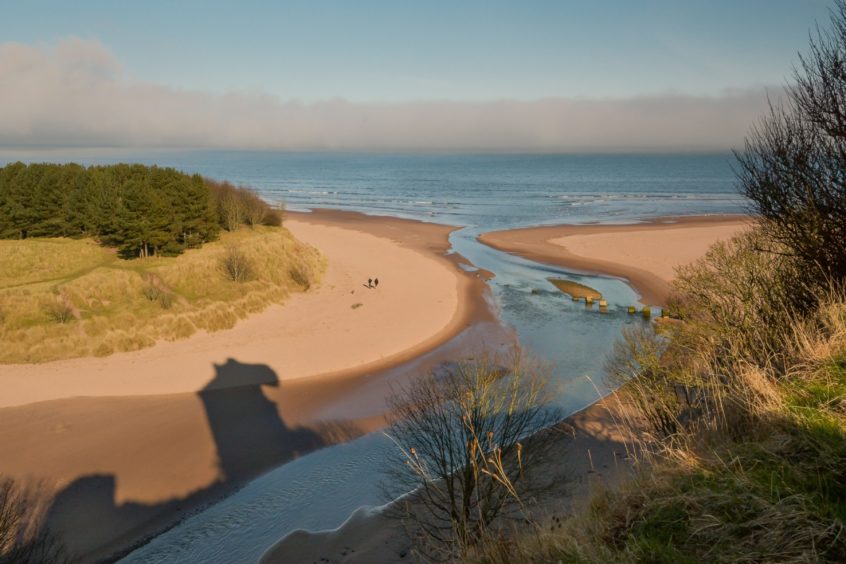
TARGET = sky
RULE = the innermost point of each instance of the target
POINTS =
(378, 75)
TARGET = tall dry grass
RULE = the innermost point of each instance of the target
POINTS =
(109, 305)
(739, 411)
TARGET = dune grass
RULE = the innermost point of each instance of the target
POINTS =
(739, 414)
(64, 298)
(575, 290)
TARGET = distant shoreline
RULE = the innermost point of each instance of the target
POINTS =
(641, 253)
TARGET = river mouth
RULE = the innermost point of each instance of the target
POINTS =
(481, 192)
(320, 490)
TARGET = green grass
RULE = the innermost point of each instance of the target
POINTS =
(741, 437)
(110, 299)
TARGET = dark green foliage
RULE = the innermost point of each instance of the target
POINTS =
(143, 211)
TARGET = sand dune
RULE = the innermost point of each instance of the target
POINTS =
(646, 254)
(341, 326)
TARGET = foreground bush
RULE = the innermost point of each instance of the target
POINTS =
(741, 414)
(792, 165)
(22, 538)
(740, 403)
(461, 445)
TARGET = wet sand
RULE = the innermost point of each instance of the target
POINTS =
(646, 254)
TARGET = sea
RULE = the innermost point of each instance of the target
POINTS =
(479, 193)
(492, 191)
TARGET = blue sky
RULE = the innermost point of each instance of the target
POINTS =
(389, 51)
(639, 75)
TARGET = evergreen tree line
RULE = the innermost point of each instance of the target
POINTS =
(142, 210)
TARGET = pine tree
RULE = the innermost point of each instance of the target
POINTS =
(143, 211)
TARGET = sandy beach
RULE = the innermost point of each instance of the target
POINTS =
(341, 327)
(646, 254)
(136, 441)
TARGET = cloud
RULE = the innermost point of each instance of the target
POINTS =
(76, 94)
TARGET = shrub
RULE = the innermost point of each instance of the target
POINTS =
(236, 266)
(742, 303)
(792, 165)
(59, 311)
(151, 291)
(22, 540)
(237, 206)
(255, 209)
(460, 438)
(301, 275)
(166, 300)
(274, 217)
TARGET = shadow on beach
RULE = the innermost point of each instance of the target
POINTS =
(249, 435)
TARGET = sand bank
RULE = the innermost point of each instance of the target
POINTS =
(589, 450)
(164, 431)
(645, 254)
(340, 327)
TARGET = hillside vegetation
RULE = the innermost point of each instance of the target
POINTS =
(142, 211)
(62, 298)
(740, 414)
(740, 406)
(66, 232)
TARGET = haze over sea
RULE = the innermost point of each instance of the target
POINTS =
(488, 191)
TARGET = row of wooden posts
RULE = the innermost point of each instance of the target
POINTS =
(646, 311)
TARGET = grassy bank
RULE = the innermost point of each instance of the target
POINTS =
(740, 414)
(64, 298)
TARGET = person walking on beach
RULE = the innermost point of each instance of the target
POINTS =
(376, 282)
(369, 282)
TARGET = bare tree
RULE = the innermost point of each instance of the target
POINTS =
(236, 266)
(230, 204)
(22, 539)
(256, 209)
(462, 440)
(793, 168)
